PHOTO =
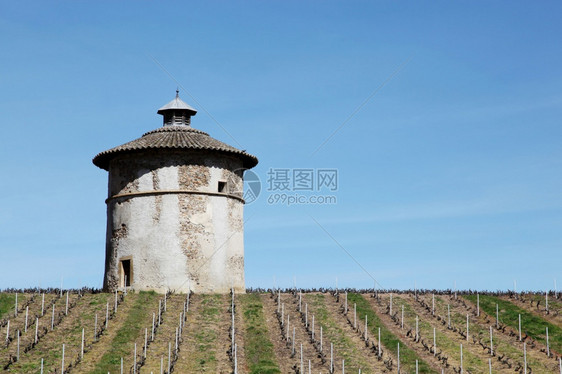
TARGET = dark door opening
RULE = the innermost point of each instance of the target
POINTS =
(126, 268)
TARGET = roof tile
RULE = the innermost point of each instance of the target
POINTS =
(173, 137)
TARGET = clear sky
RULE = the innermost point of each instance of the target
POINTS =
(450, 172)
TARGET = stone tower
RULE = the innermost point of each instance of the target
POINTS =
(175, 209)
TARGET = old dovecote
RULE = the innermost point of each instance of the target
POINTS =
(175, 209)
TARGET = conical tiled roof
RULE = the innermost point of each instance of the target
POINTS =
(174, 137)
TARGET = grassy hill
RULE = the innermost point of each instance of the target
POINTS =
(277, 332)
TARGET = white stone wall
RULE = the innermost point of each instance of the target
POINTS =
(177, 241)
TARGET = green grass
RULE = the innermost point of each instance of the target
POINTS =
(258, 348)
(205, 337)
(407, 356)
(502, 344)
(333, 333)
(531, 324)
(123, 342)
(451, 347)
(7, 301)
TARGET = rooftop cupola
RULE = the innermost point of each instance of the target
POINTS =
(177, 112)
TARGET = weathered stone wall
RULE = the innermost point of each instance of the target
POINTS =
(166, 214)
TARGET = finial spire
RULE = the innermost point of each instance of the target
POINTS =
(177, 92)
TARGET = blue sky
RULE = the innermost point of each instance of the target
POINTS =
(450, 172)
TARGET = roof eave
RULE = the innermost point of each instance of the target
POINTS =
(103, 159)
(162, 111)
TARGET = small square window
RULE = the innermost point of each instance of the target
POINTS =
(222, 186)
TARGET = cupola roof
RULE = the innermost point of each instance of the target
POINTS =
(177, 105)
